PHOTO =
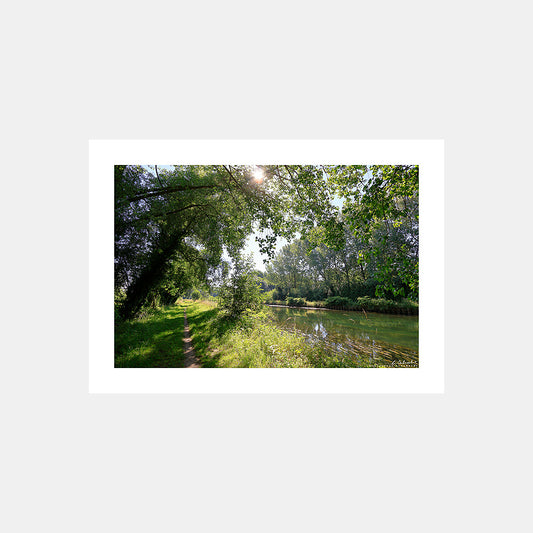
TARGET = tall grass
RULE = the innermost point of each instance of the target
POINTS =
(154, 340)
(254, 341)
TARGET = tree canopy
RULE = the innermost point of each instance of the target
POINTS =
(173, 225)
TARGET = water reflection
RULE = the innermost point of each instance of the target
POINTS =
(321, 330)
(385, 339)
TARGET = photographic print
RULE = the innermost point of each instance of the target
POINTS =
(266, 266)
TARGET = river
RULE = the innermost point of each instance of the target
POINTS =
(378, 339)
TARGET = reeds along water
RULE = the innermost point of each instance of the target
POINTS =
(365, 353)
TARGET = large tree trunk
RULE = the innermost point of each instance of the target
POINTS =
(154, 271)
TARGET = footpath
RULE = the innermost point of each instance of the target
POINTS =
(191, 361)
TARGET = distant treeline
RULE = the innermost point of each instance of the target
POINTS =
(184, 227)
(364, 303)
(383, 265)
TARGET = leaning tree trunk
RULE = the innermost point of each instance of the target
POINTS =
(154, 271)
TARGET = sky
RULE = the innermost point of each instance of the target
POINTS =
(251, 246)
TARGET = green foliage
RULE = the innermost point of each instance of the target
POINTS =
(152, 341)
(120, 296)
(381, 208)
(172, 225)
(196, 294)
(378, 305)
(263, 345)
(379, 258)
(254, 341)
(248, 341)
(241, 291)
(295, 302)
(364, 303)
(269, 296)
(186, 215)
(339, 302)
(382, 305)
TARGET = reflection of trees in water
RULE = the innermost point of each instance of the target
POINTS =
(361, 350)
(321, 330)
(382, 336)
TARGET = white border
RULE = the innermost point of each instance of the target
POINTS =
(104, 378)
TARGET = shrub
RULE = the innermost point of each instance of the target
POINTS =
(362, 288)
(196, 294)
(382, 305)
(241, 291)
(269, 297)
(279, 293)
(298, 302)
(339, 302)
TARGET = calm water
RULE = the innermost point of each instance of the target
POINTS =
(390, 340)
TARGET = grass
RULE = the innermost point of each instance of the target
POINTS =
(206, 328)
(152, 341)
(256, 342)
(244, 343)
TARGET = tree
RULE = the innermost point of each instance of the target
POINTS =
(301, 270)
(241, 291)
(381, 208)
(190, 213)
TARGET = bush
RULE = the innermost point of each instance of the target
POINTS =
(377, 305)
(298, 302)
(381, 305)
(315, 294)
(279, 293)
(196, 294)
(362, 288)
(269, 297)
(241, 291)
(339, 302)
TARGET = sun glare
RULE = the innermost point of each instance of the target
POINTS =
(258, 175)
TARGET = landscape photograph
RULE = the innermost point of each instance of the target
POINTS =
(266, 266)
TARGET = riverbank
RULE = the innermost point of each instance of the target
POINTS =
(366, 304)
(379, 335)
(255, 341)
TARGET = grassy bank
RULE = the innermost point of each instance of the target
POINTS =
(256, 342)
(375, 305)
(153, 341)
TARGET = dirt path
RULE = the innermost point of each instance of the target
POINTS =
(191, 361)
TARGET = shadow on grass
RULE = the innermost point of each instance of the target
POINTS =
(153, 342)
(207, 325)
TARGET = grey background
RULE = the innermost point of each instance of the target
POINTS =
(459, 71)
